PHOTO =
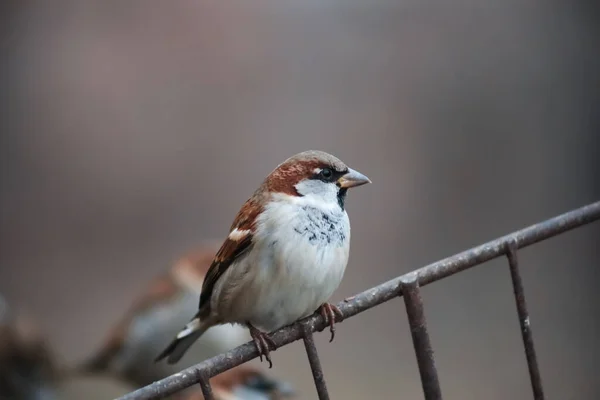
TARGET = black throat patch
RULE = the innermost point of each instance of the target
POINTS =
(341, 197)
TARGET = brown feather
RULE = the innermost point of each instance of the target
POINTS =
(231, 249)
(301, 166)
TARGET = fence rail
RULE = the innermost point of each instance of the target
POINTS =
(406, 286)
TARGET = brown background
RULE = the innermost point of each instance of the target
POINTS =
(134, 130)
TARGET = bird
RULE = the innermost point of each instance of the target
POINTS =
(285, 254)
(154, 317)
(245, 383)
(28, 369)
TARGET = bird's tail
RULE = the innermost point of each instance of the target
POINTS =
(184, 339)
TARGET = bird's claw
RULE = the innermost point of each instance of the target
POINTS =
(329, 312)
(263, 343)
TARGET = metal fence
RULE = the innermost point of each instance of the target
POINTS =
(407, 286)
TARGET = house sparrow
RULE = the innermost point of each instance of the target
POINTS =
(27, 368)
(285, 254)
(244, 383)
(154, 318)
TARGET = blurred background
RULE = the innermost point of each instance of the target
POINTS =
(133, 131)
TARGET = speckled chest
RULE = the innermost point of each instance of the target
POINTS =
(322, 227)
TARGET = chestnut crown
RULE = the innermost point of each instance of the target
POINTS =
(314, 173)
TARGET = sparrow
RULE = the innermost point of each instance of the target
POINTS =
(154, 317)
(285, 254)
(245, 383)
(27, 367)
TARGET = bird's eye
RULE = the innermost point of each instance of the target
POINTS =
(326, 173)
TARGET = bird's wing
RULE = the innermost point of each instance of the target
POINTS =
(235, 246)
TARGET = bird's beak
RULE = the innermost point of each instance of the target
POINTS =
(352, 178)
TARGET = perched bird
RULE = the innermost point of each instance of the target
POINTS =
(245, 383)
(285, 254)
(153, 319)
(27, 367)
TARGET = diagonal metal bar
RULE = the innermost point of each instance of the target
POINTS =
(418, 329)
(315, 363)
(532, 364)
(373, 297)
(206, 389)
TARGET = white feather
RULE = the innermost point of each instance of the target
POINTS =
(190, 327)
(238, 234)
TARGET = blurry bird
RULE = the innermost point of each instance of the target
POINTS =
(244, 383)
(132, 344)
(27, 368)
(284, 256)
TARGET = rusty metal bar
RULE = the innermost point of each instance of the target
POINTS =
(373, 297)
(418, 330)
(206, 389)
(315, 363)
(532, 364)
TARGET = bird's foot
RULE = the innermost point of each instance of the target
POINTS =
(329, 313)
(262, 342)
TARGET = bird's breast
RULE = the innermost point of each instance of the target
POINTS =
(303, 239)
(301, 259)
(321, 228)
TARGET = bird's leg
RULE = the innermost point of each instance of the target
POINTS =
(329, 313)
(262, 342)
